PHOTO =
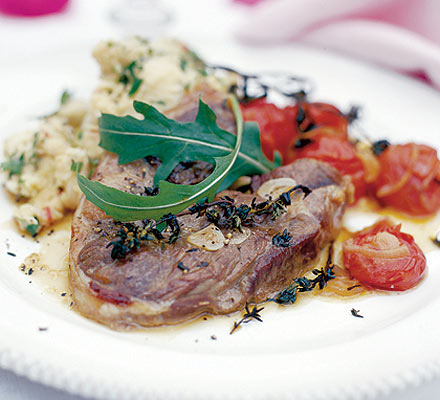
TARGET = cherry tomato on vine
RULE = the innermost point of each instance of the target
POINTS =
(409, 179)
(383, 257)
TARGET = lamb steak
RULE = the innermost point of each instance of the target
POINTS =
(149, 287)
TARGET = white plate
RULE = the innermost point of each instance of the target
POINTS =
(314, 349)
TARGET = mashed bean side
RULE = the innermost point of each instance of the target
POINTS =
(42, 180)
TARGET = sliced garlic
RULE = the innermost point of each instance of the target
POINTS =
(275, 187)
(242, 181)
(210, 238)
(239, 237)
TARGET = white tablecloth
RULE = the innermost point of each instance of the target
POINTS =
(86, 22)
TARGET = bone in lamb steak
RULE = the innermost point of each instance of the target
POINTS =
(147, 288)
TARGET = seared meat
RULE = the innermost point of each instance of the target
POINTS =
(171, 283)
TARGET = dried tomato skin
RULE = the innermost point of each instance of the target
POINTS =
(394, 274)
(409, 179)
(340, 154)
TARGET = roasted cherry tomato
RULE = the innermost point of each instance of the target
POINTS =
(277, 126)
(383, 257)
(281, 128)
(409, 179)
(339, 153)
(322, 118)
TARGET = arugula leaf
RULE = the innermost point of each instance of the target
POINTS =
(172, 198)
(13, 165)
(174, 142)
(251, 160)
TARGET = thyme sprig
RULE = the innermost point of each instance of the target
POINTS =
(289, 294)
(254, 86)
(132, 235)
(223, 212)
(304, 284)
(227, 214)
(247, 317)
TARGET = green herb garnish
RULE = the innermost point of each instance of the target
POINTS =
(32, 229)
(65, 97)
(14, 165)
(172, 142)
(76, 166)
(128, 77)
(183, 63)
(93, 163)
(34, 157)
(199, 64)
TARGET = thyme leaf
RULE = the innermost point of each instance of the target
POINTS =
(282, 239)
(355, 313)
(353, 113)
(379, 146)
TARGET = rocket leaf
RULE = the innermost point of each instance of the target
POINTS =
(174, 142)
(172, 198)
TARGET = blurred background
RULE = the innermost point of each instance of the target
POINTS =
(401, 35)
